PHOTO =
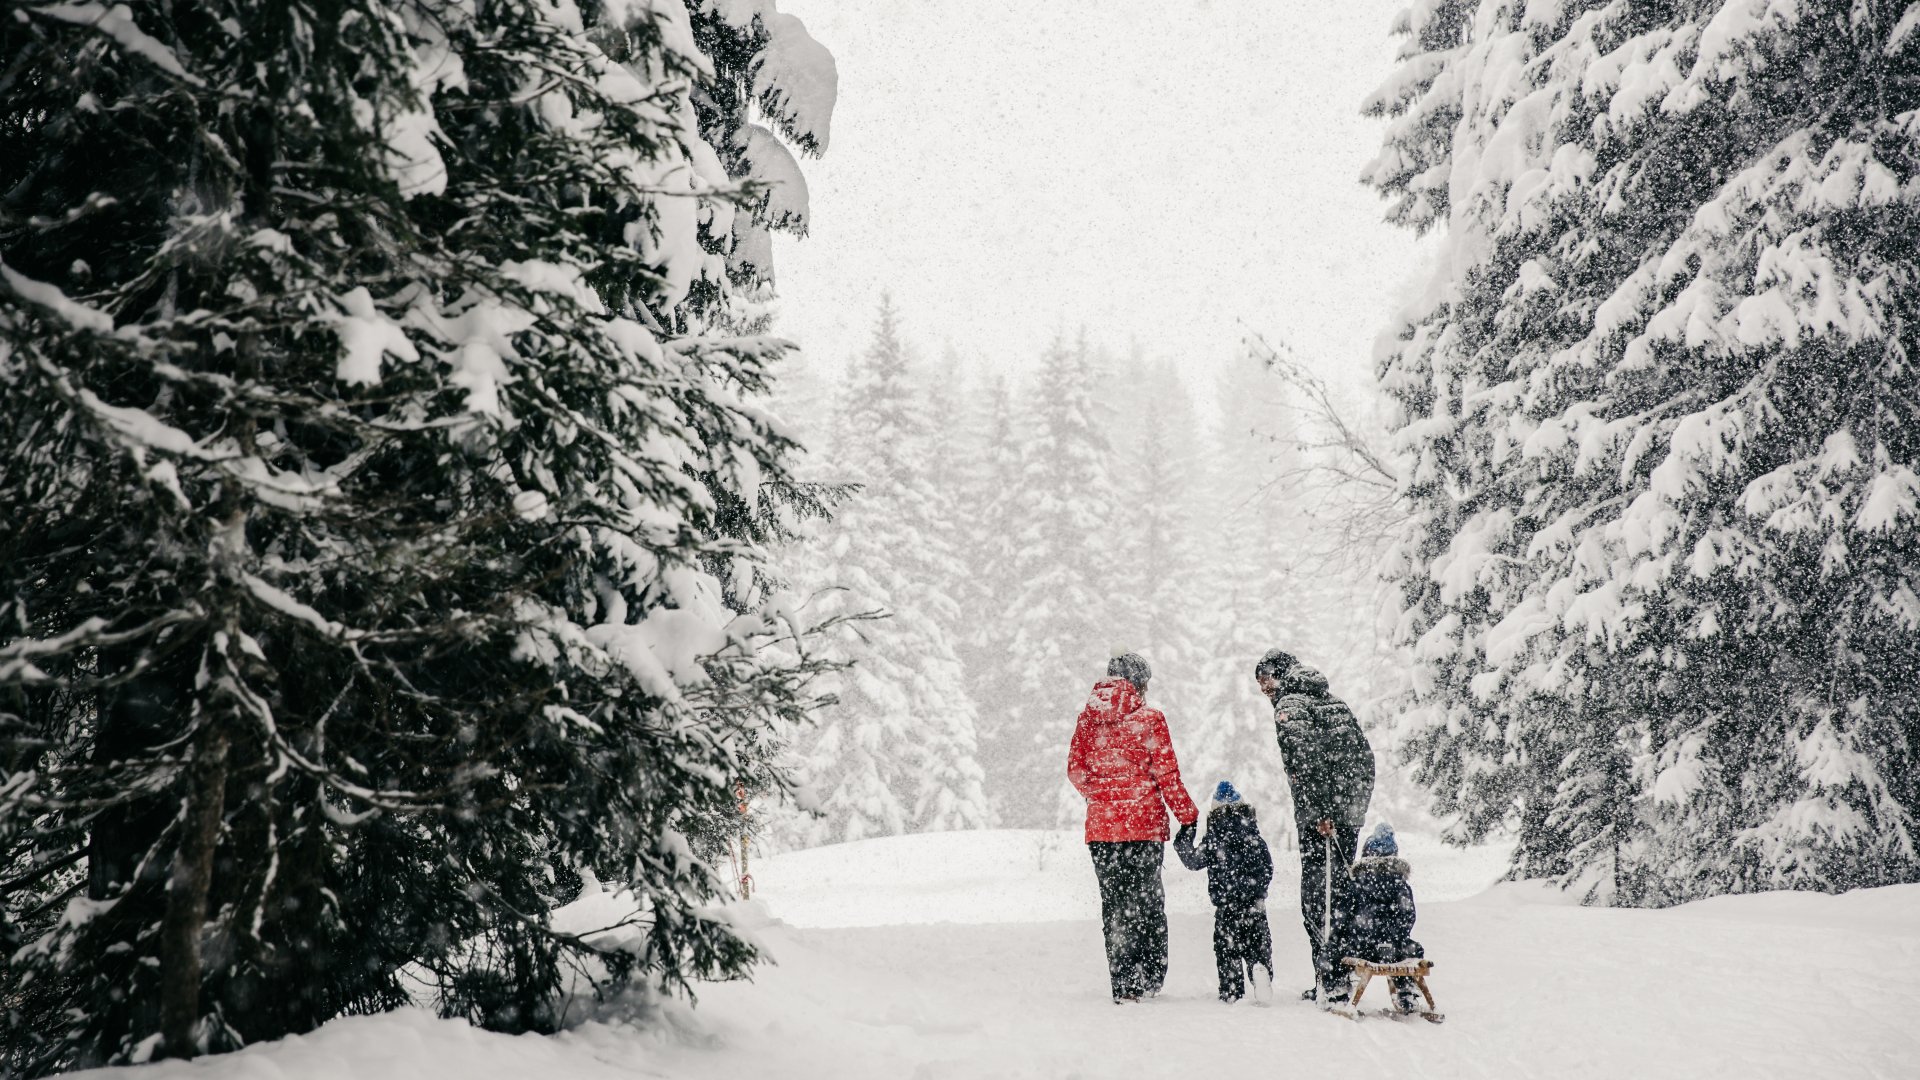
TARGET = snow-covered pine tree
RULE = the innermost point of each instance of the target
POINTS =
(1123, 402)
(806, 398)
(989, 480)
(1160, 582)
(359, 382)
(1593, 817)
(941, 390)
(766, 70)
(1657, 405)
(898, 752)
(953, 793)
(1253, 533)
(1066, 574)
(1457, 746)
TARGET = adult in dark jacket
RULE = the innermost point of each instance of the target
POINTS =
(1122, 760)
(1239, 869)
(1376, 919)
(1329, 767)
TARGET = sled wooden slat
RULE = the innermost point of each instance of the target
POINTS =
(1410, 969)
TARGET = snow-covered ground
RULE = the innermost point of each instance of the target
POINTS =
(978, 955)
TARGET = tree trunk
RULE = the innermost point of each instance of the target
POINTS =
(180, 933)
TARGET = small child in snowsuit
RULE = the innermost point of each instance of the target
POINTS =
(1374, 918)
(1239, 869)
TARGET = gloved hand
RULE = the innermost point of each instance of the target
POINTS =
(1183, 846)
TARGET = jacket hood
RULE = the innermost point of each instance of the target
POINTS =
(1230, 810)
(1302, 679)
(1384, 864)
(1113, 699)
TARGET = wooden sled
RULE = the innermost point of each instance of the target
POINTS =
(1410, 969)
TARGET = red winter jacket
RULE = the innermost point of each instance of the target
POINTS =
(1122, 761)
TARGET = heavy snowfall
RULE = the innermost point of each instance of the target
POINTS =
(702, 538)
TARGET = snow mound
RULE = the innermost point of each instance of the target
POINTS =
(1893, 910)
(414, 1044)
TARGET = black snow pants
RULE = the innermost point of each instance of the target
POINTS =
(1328, 971)
(1241, 942)
(1133, 912)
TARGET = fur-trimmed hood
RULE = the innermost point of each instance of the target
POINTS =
(1224, 811)
(1383, 864)
(1301, 679)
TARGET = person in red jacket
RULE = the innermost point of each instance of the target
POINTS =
(1122, 761)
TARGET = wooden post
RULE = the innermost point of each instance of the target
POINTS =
(746, 877)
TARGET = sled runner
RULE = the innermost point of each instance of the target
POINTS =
(1411, 969)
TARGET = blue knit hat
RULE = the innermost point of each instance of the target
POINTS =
(1224, 794)
(1381, 842)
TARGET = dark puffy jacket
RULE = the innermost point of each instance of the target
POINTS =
(1378, 909)
(1328, 760)
(1239, 867)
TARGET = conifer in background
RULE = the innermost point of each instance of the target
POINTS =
(990, 482)
(366, 390)
(1657, 409)
(1254, 530)
(1066, 564)
(1209, 547)
(898, 752)
(953, 793)
(1158, 575)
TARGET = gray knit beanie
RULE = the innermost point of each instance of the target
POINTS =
(1275, 664)
(1132, 667)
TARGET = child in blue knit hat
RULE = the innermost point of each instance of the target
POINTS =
(1375, 920)
(1239, 868)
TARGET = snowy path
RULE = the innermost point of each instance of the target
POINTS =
(1762, 986)
(1740, 987)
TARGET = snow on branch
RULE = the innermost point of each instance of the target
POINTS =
(116, 22)
(17, 656)
(795, 78)
(282, 602)
(72, 312)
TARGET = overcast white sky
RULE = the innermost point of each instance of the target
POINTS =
(1156, 171)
